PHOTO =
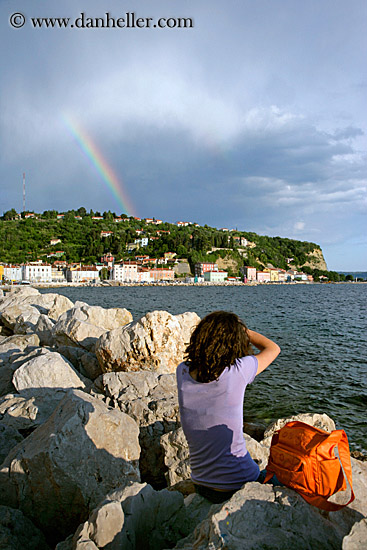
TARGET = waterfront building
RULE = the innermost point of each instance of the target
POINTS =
(274, 275)
(300, 277)
(249, 273)
(143, 275)
(215, 276)
(290, 274)
(12, 273)
(125, 272)
(203, 267)
(282, 276)
(162, 274)
(58, 274)
(263, 276)
(36, 272)
(82, 274)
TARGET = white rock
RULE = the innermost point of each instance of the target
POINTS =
(43, 329)
(19, 342)
(260, 516)
(357, 538)
(20, 318)
(48, 370)
(155, 342)
(62, 470)
(151, 400)
(29, 409)
(83, 325)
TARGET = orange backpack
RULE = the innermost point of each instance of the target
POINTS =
(302, 457)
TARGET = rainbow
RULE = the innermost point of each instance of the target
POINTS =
(94, 154)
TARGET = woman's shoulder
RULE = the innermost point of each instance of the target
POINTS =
(182, 369)
(247, 367)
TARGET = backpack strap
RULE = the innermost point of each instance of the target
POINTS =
(344, 456)
(340, 439)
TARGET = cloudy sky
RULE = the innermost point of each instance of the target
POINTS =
(254, 119)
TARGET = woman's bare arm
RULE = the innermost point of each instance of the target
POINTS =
(269, 350)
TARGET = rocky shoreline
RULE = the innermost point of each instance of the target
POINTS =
(93, 455)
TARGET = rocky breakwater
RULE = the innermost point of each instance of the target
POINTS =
(92, 452)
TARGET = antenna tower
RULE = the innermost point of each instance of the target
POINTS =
(23, 191)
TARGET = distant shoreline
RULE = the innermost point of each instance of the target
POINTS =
(8, 288)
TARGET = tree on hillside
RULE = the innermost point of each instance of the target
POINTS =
(50, 214)
(81, 211)
(10, 214)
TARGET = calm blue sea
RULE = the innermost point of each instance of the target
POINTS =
(321, 329)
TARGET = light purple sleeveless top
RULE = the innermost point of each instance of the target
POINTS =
(212, 421)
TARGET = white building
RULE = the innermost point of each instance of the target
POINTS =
(37, 273)
(215, 276)
(13, 273)
(142, 242)
(83, 274)
(125, 272)
(58, 275)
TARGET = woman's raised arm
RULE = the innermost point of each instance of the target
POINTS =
(269, 350)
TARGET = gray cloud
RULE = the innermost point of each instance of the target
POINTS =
(253, 119)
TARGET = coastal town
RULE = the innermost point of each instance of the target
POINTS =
(77, 247)
(143, 270)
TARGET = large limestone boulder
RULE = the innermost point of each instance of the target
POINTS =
(20, 318)
(257, 516)
(83, 325)
(155, 342)
(138, 517)
(28, 297)
(9, 438)
(84, 361)
(357, 538)
(43, 329)
(176, 456)
(355, 511)
(18, 342)
(58, 305)
(151, 400)
(260, 516)
(18, 533)
(10, 361)
(23, 412)
(47, 370)
(18, 295)
(62, 470)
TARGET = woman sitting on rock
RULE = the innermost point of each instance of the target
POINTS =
(211, 387)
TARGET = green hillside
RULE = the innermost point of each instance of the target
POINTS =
(24, 240)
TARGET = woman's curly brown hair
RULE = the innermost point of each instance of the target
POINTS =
(218, 340)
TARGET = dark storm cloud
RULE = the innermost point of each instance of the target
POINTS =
(253, 119)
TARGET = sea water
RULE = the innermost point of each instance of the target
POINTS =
(321, 329)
